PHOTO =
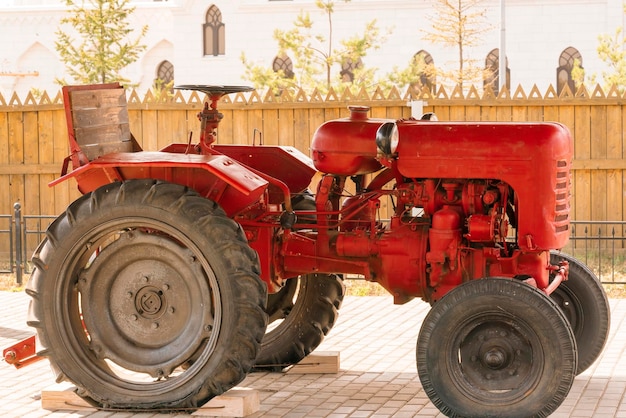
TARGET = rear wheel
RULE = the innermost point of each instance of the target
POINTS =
(300, 315)
(585, 305)
(146, 296)
(496, 347)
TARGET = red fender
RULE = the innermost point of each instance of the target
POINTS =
(216, 177)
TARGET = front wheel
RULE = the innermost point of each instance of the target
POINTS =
(146, 295)
(496, 347)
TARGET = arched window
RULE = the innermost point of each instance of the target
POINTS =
(283, 62)
(348, 66)
(214, 32)
(568, 59)
(425, 73)
(165, 72)
(492, 72)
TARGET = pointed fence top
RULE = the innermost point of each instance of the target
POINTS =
(378, 94)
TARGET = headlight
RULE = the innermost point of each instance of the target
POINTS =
(387, 138)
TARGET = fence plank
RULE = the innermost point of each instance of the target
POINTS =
(5, 202)
(614, 186)
(598, 149)
(65, 192)
(285, 126)
(535, 113)
(225, 133)
(134, 121)
(622, 137)
(16, 156)
(6, 205)
(256, 120)
(168, 129)
(303, 131)
(489, 114)
(45, 128)
(519, 113)
(396, 112)
(472, 113)
(457, 113)
(504, 114)
(269, 128)
(378, 112)
(442, 112)
(149, 131)
(240, 127)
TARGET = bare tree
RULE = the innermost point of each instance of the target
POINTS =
(459, 24)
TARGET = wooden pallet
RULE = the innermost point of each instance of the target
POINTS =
(63, 397)
(237, 402)
(321, 362)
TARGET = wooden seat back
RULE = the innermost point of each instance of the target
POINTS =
(97, 120)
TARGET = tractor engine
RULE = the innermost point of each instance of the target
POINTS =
(468, 201)
(442, 233)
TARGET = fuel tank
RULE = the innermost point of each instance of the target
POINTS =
(347, 146)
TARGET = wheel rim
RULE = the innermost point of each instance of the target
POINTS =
(144, 312)
(495, 357)
(571, 307)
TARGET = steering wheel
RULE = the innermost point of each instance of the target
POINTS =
(214, 91)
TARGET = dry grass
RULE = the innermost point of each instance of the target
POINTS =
(8, 282)
(356, 287)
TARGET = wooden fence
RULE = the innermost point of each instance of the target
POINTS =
(33, 133)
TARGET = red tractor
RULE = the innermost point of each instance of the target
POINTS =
(154, 290)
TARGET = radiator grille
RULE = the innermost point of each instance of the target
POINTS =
(562, 191)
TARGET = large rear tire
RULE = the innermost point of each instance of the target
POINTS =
(585, 305)
(301, 314)
(147, 296)
(496, 348)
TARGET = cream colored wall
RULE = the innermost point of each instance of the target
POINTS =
(537, 32)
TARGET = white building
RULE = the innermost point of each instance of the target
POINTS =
(541, 35)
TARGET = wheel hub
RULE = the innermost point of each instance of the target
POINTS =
(145, 304)
(150, 302)
(495, 357)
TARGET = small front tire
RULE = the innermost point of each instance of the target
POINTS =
(496, 347)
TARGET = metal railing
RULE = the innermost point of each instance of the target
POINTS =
(601, 245)
(7, 261)
(33, 231)
(20, 237)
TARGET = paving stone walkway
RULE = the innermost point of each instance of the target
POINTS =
(378, 376)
